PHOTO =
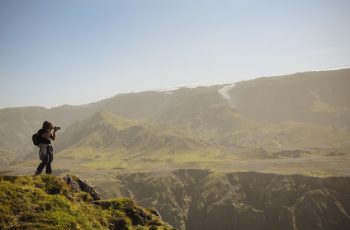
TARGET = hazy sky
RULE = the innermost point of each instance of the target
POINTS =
(80, 51)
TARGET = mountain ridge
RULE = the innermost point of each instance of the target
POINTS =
(200, 119)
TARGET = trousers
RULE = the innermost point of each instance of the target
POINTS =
(46, 157)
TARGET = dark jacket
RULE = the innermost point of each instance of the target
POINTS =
(43, 140)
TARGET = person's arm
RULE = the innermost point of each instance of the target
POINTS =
(53, 135)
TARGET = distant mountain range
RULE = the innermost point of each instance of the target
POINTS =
(255, 119)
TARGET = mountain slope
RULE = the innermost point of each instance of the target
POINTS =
(205, 112)
(107, 141)
(313, 97)
(200, 199)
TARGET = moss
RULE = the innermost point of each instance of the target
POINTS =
(54, 203)
(83, 196)
(46, 202)
(52, 185)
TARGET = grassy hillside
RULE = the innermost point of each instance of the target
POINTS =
(106, 141)
(47, 202)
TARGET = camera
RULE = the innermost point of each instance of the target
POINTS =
(57, 128)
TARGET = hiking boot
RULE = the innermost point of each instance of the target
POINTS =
(37, 173)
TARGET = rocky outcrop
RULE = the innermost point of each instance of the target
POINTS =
(78, 184)
(200, 199)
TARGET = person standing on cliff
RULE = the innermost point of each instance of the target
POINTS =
(44, 136)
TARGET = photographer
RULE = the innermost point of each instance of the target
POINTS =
(46, 134)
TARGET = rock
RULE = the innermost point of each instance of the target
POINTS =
(74, 185)
(154, 212)
(78, 184)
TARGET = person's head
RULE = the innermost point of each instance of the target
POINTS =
(47, 125)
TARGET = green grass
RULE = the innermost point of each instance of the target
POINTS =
(46, 202)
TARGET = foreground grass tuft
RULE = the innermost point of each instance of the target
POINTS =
(47, 202)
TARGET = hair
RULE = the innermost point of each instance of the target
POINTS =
(47, 125)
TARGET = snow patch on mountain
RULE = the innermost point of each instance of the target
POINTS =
(167, 89)
(224, 91)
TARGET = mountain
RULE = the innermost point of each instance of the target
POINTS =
(17, 125)
(319, 97)
(46, 202)
(194, 127)
(208, 157)
(202, 199)
(107, 141)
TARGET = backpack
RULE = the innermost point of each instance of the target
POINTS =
(36, 139)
